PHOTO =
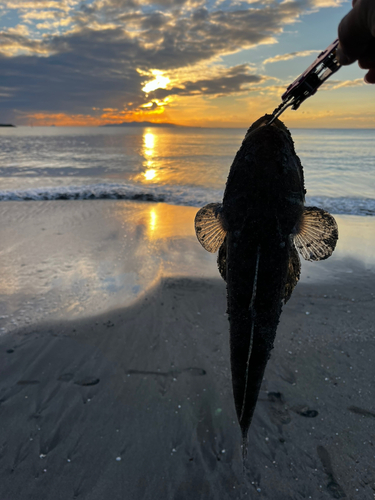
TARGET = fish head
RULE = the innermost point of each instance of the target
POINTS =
(266, 177)
(263, 122)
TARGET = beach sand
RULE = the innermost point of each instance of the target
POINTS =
(134, 401)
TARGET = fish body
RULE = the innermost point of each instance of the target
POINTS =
(256, 230)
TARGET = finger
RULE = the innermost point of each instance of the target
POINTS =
(370, 76)
(367, 60)
(343, 59)
(355, 29)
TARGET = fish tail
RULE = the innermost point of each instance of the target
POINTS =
(244, 449)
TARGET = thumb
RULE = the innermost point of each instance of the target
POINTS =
(355, 31)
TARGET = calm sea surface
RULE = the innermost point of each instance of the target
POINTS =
(175, 165)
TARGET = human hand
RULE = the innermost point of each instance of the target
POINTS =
(357, 37)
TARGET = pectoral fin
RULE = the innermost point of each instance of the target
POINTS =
(294, 271)
(316, 234)
(209, 227)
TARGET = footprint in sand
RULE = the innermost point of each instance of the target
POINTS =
(334, 489)
(195, 372)
(305, 411)
(279, 412)
(87, 381)
(361, 411)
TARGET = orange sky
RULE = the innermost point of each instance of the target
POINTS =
(187, 62)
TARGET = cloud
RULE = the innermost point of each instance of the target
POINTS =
(103, 50)
(230, 81)
(42, 14)
(16, 40)
(290, 55)
(336, 84)
(41, 4)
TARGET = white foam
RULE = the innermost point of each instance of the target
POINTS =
(175, 195)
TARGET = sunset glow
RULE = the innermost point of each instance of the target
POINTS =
(153, 220)
(160, 82)
(199, 64)
(149, 140)
(150, 174)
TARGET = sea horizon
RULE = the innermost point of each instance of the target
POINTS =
(172, 125)
(176, 165)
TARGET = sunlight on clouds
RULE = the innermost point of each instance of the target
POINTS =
(155, 103)
(15, 43)
(333, 85)
(198, 82)
(118, 116)
(38, 14)
(291, 55)
(327, 3)
(159, 82)
(42, 4)
(20, 29)
(53, 25)
(61, 120)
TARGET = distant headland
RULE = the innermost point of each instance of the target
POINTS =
(6, 125)
(139, 124)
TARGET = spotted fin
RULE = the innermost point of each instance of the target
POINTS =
(209, 227)
(316, 234)
(294, 271)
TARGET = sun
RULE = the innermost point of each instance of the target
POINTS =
(160, 82)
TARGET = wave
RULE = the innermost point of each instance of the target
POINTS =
(175, 195)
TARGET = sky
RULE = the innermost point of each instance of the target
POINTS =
(207, 63)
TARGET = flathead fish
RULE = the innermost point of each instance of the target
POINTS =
(257, 231)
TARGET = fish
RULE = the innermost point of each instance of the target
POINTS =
(258, 230)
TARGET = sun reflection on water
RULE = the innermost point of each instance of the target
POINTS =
(149, 174)
(148, 150)
(153, 220)
(149, 143)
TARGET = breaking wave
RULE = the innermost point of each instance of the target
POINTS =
(175, 195)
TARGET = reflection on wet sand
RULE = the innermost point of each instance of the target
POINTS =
(158, 221)
(112, 252)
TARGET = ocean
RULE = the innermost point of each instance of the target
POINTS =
(178, 166)
(91, 218)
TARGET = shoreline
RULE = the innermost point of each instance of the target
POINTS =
(70, 260)
(115, 374)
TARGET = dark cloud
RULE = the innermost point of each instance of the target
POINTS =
(90, 70)
(234, 80)
(89, 67)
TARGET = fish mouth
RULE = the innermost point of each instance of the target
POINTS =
(263, 122)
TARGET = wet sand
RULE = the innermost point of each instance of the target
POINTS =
(136, 402)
